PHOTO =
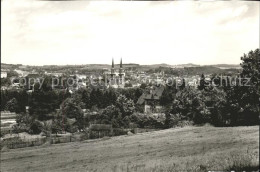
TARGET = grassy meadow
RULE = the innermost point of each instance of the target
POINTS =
(180, 149)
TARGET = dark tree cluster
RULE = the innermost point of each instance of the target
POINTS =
(234, 102)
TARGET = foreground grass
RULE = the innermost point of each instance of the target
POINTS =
(183, 149)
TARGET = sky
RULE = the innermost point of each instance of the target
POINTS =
(143, 32)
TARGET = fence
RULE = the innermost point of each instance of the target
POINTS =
(96, 132)
(14, 143)
(64, 139)
(17, 142)
(6, 130)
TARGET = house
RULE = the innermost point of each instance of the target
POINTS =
(3, 74)
(22, 73)
(151, 99)
(8, 119)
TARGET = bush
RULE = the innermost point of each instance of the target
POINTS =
(101, 127)
(119, 132)
(146, 121)
(36, 128)
(172, 120)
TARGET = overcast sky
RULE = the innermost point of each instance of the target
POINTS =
(81, 32)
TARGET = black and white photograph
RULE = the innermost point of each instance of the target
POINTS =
(130, 86)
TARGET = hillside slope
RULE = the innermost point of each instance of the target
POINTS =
(189, 148)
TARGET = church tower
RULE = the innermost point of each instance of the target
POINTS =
(112, 74)
(113, 70)
(121, 68)
(121, 73)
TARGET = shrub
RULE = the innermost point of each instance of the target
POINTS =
(119, 131)
(146, 121)
(35, 128)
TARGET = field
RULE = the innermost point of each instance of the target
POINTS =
(180, 149)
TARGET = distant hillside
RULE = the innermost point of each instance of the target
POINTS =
(227, 66)
(164, 65)
(157, 65)
(128, 65)
(187, 65)
(202, 69)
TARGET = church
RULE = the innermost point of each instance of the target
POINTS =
(116, 77)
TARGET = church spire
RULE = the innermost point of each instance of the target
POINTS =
(112, 69)
(112, 62)
(121, 66)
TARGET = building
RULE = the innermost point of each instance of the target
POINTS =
(151, 99)
(3, 74)
(22, 73)
(23, 67)
(80, 76)
(8, 119)
(116, 77)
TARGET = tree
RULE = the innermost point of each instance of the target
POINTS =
(202, 83)
(125, 105)
(191, 104)
(71, 109)
(128, 85)
(131, 93)
(167, 122)
(242, 99)
(5, 82)
(143, 120)
(20, 96)
(86, 98)
(183, 84)
(111, 115)
(47, 83)
(22, 100)
(215, 101)
(46, 128)
(112, 96)
(78, 98)
(95, 97)
(138, 93)
(23, 123)
(26, 123)
(42, 103)
(118, 114)
(167, 96)
(143, 86)
(12, 74)
(250, 98)
(36, 127)
(57, 125)
(250, 64)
